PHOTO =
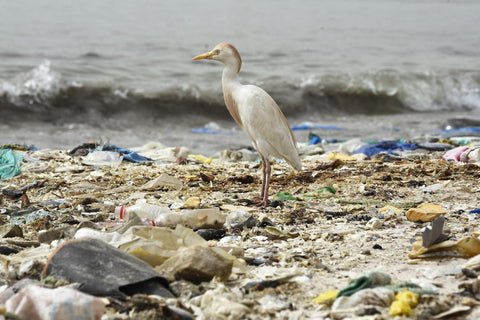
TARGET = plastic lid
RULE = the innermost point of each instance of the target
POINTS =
(121, 212)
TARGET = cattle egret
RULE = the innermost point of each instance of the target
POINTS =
(256, 113)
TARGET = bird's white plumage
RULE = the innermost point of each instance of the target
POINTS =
(267, 126)
(256, 112)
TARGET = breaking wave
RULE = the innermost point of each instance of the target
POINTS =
(42, 94)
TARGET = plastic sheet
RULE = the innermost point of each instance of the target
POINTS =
(10, 163)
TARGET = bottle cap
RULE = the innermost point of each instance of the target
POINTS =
(121, 212)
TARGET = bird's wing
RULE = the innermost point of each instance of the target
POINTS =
(265, 124)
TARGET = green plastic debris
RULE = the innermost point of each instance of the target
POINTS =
(325, 191)
(328, 189)
(285, 196)
(371, 280)
(10, 163)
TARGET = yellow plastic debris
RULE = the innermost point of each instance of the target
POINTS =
(404, 302)
(326, 297)
(340, 156)
(425, 212)
(389, 208)
(468, 247)
(200, 158)
(192, 203)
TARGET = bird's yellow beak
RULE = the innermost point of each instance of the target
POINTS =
(207, 55)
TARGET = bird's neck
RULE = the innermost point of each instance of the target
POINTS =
(230, 77)
(230, 84)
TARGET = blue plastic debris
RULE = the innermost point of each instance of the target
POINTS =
(387, 147)
(475, 211)
(205, 130)
(309, 126)
(314, 139)
(466, 129)
(16, 146)
(128, 155)
(10, 163)
(460, 132)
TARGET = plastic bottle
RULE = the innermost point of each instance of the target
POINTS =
(163, 216)
(149, 213)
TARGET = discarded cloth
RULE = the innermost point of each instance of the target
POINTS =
(463, 154)
(38, 303)
(10, 163)
(387, 147)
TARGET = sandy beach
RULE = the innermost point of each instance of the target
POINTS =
(333, 222)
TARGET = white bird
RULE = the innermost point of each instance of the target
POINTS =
(255, 111)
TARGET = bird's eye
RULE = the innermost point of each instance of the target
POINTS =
(216, 52)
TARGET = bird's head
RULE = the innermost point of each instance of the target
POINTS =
(223, 52)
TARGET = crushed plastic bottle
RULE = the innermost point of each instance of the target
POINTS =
(149, 213)
(163, 216)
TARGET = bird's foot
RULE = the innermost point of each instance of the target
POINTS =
(260, 201)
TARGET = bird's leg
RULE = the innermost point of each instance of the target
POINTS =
(263, 177)
(266, 181)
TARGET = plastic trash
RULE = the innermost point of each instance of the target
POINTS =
(128, 155)
(472, 263)
(467, 246)
(425, 212)
(21, 147)
(201, 158)
(160, 153)
(37, 303)
(103, 158)
(455, 154)
(163, 216)
(373, 279)
(243, 154)
(433, 240)
(163, 180)
(387, 147)
(463, 154)
(310, 126)
(156, 245)
(210, 128)
(434, 233)
(327, 191)
(192, 203)
(143, 210)
(199, 263)
(361, 302)
(326, 297)
(340, 156)
(103, 270)
(10, 163)
(465, 131)
(403, 304)
(26, 215)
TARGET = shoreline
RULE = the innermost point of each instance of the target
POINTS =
(130, 132)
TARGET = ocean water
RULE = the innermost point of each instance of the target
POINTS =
(122, 71)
